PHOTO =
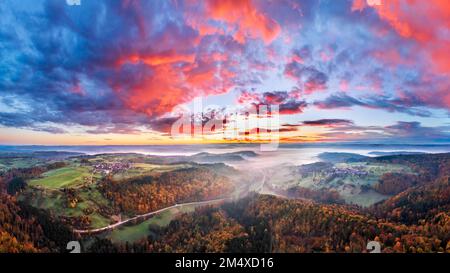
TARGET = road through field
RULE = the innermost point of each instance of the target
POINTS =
(143, 216)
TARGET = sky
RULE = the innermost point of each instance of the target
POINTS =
(124, 71)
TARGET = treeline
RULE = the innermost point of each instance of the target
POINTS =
(26, 229)
(17, 176)
(22, 227)
(149, 193)
(419, 204)
(326, 196)
(427, 166)
(394, 183)
(320, 195)
(266, 224)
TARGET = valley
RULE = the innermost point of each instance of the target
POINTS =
(134, 202)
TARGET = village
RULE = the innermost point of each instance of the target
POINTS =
(336, 172)
(111, 168)
(345, 171)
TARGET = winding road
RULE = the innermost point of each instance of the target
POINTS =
(113, 226)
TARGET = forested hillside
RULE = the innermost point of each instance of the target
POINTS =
(270, 224)
(148, 193)
(415, 219)
(26, 229)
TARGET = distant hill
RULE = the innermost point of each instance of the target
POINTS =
(396, 153)
(341, 157)
(213, 158)
(39, 154)
(314, 167)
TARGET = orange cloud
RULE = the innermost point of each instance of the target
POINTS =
(252, 23)
(359, 5)
(163, 58)
(243, 19)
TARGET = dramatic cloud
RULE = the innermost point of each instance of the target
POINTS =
(401, 132)
(107, 67)
(244, 18)
(406, 17)
(127, 66)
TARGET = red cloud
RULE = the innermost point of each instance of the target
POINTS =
(165, 57)
(359, 5)
(407, 18)
(156, 90)
(155, 80)
(244, 20)
(152, 91)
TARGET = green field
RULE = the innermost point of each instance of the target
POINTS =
(364, 199)
(140, 231)
(140, 169)
(84, 199)
(45, 193)
(54, 201)
(63, 178)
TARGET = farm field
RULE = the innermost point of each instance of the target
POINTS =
(133, 233)
(376, 169)
(76, 192)
(55, 202)
(64, 177)
(18, 163)
(140, 169)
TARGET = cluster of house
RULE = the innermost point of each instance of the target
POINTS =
(346, 171)
(110, 168)
(338, 172)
